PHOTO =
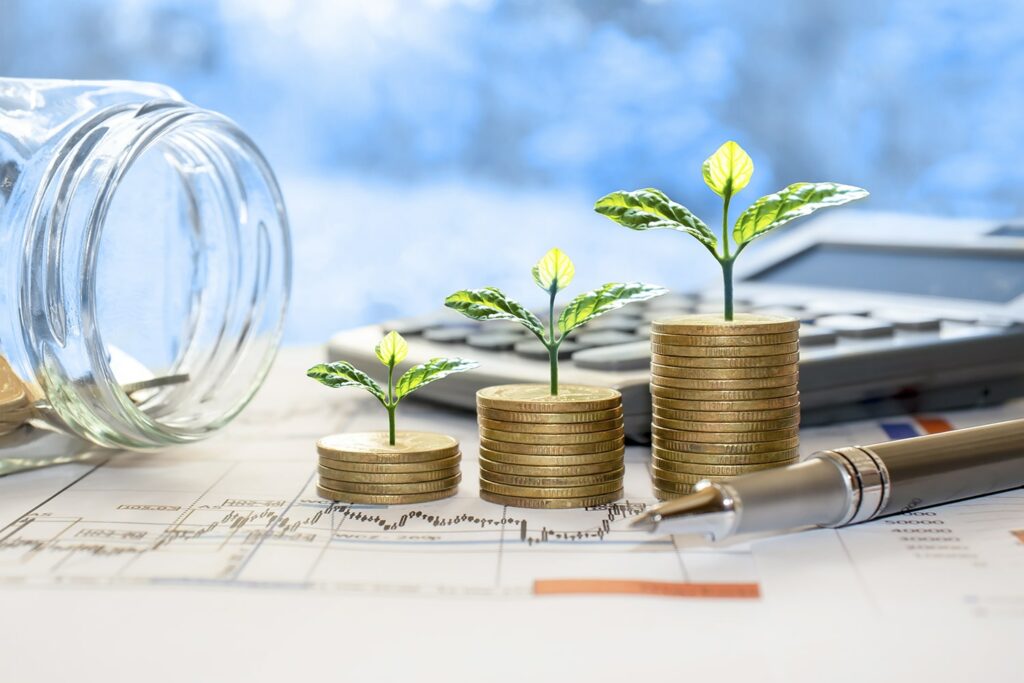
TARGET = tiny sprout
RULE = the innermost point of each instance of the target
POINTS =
(391, 351)
(553, 273)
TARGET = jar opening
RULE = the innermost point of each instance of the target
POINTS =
(164, 254)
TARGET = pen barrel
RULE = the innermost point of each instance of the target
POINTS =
(811, 493)
(940, 468)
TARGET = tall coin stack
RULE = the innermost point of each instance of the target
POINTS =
(544, 451)
(724, 398)
(365, 468)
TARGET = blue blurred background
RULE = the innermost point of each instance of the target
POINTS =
(431, 145)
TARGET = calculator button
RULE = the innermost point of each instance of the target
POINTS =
(653, 314)
(617, 324)
(632, 356)
(856, 326)
(448, 335)
(671, 300)
(416, 325)
(494, 341)
(813, 335)
(908, 320)
(818, 309)
(533, 349)
(604, 338)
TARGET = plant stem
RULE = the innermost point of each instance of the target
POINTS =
(726, 260)
(391, 424)
(391, 403)
(727, 282)
(553, 344)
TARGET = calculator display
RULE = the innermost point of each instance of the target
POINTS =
(949, 273)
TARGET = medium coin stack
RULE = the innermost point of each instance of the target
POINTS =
(364, 468)
(551, 452)
(15, 404)
(724, 398)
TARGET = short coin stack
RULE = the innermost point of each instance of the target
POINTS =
(15, 404)
(544, 451)
(365, 468)
(725, 398)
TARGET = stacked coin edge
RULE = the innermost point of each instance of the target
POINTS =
(363, 468)
(725, 398)
(543, 452)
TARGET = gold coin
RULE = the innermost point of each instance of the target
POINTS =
(723, 437)
(15, 404)
(374, 447)
(719, 470)
(587, 416)
(725, 448)
(390, 468)
(742, 324)
(668, 459)
(736, 406)
(723, 363)
(550, 503)
(373, 499)
(549, 491)
(725, 384)
(682, 490)
(548, 482)
(532, 428)
(730, 340)
(391, 489)
(571, 398)
(552, 439)
(724, 351)
(382, 478)
(552, 460)
(733, 374)
(549, 470)
(710, 395)
(792, 421)
(614, 443)
(676, 488)
(688, 479)
(742, 416)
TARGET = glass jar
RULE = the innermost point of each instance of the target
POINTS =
(145, 262)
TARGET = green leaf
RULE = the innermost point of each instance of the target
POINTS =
(728, 170)
(554, 272)
(492, 304)
(613, 295)
(392, 349)
(343, 374)
(799, 199)
(651, 209)
(431, 371)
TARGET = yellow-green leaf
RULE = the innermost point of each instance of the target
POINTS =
(343, 374)
(489, 303)
(728, 170)
(606, 298)
(392, 349)
(799, 199)
(651, 209)
(554, 272)
(431, 371)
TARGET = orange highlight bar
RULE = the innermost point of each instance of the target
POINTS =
(1019, 534)
(671, 589)
(934, 425)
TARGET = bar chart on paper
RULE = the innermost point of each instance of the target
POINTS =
(241, 513)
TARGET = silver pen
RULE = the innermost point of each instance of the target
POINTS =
(850, 485)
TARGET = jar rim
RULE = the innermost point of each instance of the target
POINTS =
(63, 336)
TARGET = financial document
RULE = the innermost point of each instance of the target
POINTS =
(223, 550)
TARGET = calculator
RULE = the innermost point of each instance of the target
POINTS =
(899, 314)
